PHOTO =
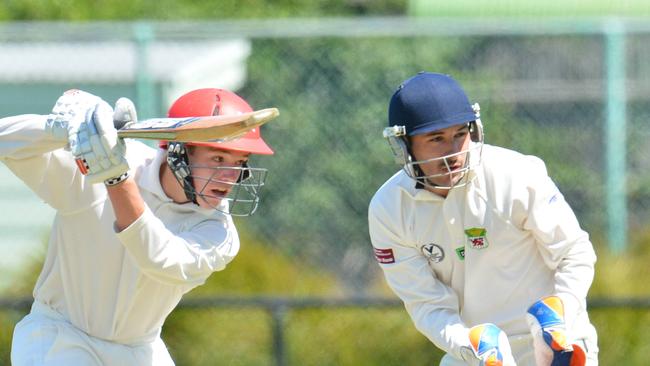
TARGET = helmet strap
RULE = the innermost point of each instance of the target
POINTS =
(178, 162)
(245, 174)
(476, 130)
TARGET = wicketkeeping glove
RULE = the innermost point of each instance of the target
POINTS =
(99, 152)
(488, 347)
(553, 346)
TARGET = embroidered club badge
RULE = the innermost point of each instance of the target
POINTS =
(476, 238)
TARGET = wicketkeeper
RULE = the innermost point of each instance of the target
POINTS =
(477, 240)
(136, 227)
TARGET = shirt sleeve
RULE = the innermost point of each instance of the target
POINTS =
(186, 258)
(433, 306)
(39, 160)
(563, 245)
(24, 136)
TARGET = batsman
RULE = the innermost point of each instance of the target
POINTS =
(136, 227)
(478, 242)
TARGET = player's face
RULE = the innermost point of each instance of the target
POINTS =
(215, 172)
(452, 142)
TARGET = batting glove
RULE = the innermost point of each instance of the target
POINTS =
(488, 347)
(69, 112)
(551, 342)
(99, 152)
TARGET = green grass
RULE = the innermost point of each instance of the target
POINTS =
(354, 336)
(529, 8)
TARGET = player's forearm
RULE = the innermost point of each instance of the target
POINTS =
(185, 258)
(432, 305)
(127, 202)
(575, 272)
(24, 136)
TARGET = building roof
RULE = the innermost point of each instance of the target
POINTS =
(116, 61)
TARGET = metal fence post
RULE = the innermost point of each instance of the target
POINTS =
(278, 314)
(615, 136)
(144, 85)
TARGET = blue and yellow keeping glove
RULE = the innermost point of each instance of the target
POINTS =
(553, 346)
(489, 347)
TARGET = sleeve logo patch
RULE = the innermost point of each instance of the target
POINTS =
(384, 256)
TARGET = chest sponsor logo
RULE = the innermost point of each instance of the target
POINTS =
(460, 252)
(476, 238)
(384, 256)
(433, 252)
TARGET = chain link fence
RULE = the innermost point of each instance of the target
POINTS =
(574, 92)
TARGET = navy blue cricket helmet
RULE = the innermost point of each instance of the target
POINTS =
(429, 102)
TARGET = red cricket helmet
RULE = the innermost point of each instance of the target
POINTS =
(217, 102)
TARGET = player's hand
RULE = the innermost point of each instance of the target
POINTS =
(69, 112)
(99, 152)
(488, 347)
(124, 113)
(553, 346)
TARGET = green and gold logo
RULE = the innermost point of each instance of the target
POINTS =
(476, 238)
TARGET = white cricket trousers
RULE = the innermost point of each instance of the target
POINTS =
(45, 338)
(522, 348)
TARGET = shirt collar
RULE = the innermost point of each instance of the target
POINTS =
(150, 177)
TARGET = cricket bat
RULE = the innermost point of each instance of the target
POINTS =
(210, 128)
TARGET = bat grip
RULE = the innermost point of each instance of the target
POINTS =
(118, 124)
(124, 113)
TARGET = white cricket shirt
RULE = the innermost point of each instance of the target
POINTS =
(483, 254)
(118, 287)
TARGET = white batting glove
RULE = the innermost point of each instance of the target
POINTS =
(99, 152)
(551, 341)
(70, 111)
(489, 346)
(124, 112)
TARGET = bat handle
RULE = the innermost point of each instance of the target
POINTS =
(119, 124)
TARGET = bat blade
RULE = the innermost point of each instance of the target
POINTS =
(210, 128)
